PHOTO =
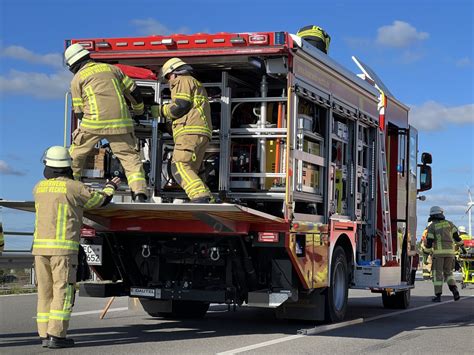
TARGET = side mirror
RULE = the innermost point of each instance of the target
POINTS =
(425, 177)
(426, 158)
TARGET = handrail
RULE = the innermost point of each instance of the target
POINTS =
(66, 111)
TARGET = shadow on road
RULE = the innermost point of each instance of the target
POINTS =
(219, 324)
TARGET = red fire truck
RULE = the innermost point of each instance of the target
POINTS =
(315, 167)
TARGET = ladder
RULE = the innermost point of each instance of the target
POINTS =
(385, 204)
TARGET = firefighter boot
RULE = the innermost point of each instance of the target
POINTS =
(44, 342)
(454, 290)
(140, 197)
(204, 199)
(436, 298)
(58, 343)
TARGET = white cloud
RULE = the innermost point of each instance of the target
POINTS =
(464, 62)
(432, 115)
(40, 85)
(150, 26)
(21, 53)
(452, 200)
(399, 34)
(6, 169)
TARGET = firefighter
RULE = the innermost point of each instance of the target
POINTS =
(190, 113)
(59, 202)
(440, 242)
(98, 96)
(427, 259)
(463, 233)
(316, 36)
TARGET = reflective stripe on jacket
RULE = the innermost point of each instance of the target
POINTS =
(441, 233)
(98, 90)
(59, 205)
(198, 119)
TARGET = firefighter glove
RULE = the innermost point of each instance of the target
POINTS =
(155, 110)
(113, 183)
(463, 250)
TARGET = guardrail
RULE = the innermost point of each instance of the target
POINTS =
(16, 259)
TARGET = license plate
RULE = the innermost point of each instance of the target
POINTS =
(142, 292)
(94, 254)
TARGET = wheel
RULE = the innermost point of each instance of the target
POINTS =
(399, 300)
(337, 293)
(179, 309)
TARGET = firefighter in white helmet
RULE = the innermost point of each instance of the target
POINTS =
(59, 203)
(440, 242)
(190, 114)
(98, 97)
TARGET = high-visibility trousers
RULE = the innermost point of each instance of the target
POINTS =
(427, 267)
(442, 271)
(188, 154)
(55, 279)
(123, 147)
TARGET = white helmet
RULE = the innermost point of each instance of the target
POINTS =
(436, 210)
(57, 157)
(74, 53)
(462, 229)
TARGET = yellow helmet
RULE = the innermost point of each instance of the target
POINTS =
(170, 66)
(74, 53)
(57, 157)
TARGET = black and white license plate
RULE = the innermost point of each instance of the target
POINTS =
(142, 292)
(94, 254)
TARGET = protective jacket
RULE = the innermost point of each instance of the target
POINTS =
(59, 204)
(189, 109)
(441, 238)
(98, 92)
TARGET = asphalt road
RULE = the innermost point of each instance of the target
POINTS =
(425, 328)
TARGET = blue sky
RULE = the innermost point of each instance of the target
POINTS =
(422, 50)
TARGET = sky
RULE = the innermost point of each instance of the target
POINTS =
(422, 50)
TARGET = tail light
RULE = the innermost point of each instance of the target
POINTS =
(87, 232)
(268, 237)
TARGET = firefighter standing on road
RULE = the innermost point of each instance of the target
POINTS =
(440, 242)
(59, 202)
(190, 113)
(98, 96)
(427, 259)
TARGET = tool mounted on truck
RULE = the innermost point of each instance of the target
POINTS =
(296, 147)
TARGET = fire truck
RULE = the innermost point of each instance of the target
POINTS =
(315, 169)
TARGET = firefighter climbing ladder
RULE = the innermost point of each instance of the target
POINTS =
(386, 225)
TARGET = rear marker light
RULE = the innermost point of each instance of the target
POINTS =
(258, 39)
(218, 40)
(121, 44)
(155, 43)
(268, 237)
(183, 41)
(200, 41)
(167, 41)
(87, 232)
(87, 45)
(237, 40)
(138, 43)
(102, 45)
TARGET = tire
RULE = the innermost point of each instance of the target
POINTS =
(179, 310)
(337, 293)
(399, 300)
